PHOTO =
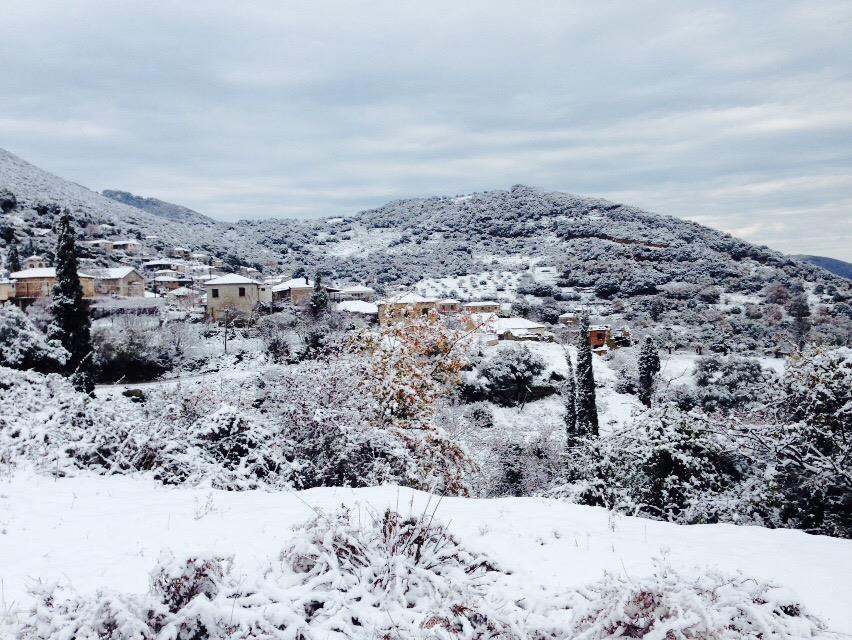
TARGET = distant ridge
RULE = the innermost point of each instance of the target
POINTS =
(159, 208)
(832, 265)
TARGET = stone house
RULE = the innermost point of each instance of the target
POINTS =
(128, 246)
(449, 305)
(232, 296)
(482, 306)
(599, 335)
(39, 283)
(125, 282)
(295, 291)
(409, 305)
(106, 245)
(356, 292)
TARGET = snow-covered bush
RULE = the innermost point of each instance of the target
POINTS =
(130, 349)
(506, 377)
(730, 383)
(23, 346)
(339, 577)
(312, 424)
(361, 576)
(671, 606)
(666, 465)
(805, 453)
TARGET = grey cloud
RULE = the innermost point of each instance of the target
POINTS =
(735, 115)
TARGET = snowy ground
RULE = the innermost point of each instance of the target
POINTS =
(108, 532)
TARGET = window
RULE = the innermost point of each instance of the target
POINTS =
(242, 292)
(215, 293)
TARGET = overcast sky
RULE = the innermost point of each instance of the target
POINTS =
(735, 115)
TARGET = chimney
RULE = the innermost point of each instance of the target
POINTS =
(307, 281)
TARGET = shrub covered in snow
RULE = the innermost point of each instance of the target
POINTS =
(730, 383)
(340, 576)
(362, 576)
(313, 424)
(23, 346)
(669, 606)
(506, 377)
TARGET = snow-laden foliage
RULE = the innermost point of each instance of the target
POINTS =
(411, 364)
(23, 346)
(730, 383)
(666, 465)
(357, 576)
(506, 377)
(670, 606)
(71, 324)
(341, 576)
(313, 424)
(783, 465)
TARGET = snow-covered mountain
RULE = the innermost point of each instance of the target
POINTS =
(837, 267)
(159, 208)
(545, 249)
(40, 194)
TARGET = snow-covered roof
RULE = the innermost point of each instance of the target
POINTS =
(115, 243)
(599, 327)
(165, 279)
(492, 323)
(358, 306)
(482, 303)
(153, 263)
(358, 288)
(514, 324)
(568, 314)
(34, 257)
(231, 278)
(408, 298)
(294, 283)
(42, 272)
(449, 301)
(113, 273)
(181, 292)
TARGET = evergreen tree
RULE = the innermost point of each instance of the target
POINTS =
(13, 259)
(800, 312)
(569, 392)
(587, 411)
(319, 298)
(649, 367)
(71, 325)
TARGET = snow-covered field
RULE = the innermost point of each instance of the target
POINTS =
(94, 532)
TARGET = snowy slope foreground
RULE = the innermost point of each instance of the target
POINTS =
(108, 533)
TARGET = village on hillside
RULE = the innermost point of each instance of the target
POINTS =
(203, 288)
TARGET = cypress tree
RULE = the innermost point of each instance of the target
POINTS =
(71, 325)
(319, 298)
(14, 259)
(569, 391)
(800, 311)
(649, 367)
(587, 411)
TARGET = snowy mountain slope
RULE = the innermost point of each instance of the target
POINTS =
(33, 188)
(494, 243)
(837, 267)
(108, 532)
(159, 208)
